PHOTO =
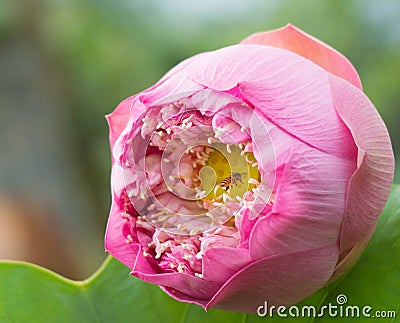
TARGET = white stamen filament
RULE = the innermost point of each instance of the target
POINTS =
(143, 194)
(186, 246)
(184, 121)
(201, 194)
(249, 161)
(216, 189)
(253, 181)
(129, 239)
(171, 188)
(158, 213)
(204, 155)
(187, 257)
(194, 231)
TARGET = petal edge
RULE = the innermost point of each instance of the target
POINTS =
(296, 40)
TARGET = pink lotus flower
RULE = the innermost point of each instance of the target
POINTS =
(252, 173)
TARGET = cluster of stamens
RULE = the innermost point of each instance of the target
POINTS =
(217, 198)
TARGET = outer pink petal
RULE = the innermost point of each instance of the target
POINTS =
(351, 258)
(115, 242)
(287, 89)
(369, 187)
(191, 286)
(309, 204)
(182, 297)
(297, 41)
(284, 279)
(219, 264)
(175, 81)
(118, 119)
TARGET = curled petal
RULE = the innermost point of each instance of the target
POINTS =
(118, 248)
(285, 88)
(118, 119)
(297, 41)
(273, 279)
(370, 185)
(222, 263)
(350, 258)
(182, 297)
(309, 204)
(193, 287)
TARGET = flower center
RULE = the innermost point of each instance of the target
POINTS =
(229, 172)
(189, 188)
(194, 182)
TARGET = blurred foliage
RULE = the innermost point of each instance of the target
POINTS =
(99, 52)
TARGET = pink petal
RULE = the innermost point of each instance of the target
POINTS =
(283, 279)
(173, 83)
(370, 185)
(290, 91)
(191, 286)
(301, 106)
(118, 119)
(309, 203)
(297, 41)
(182, 297)
(115, 243)
(351, 258)
(219, 264)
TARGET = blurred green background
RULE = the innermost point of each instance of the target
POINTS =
(65, 64)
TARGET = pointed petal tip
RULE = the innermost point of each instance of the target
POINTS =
(298, 41)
